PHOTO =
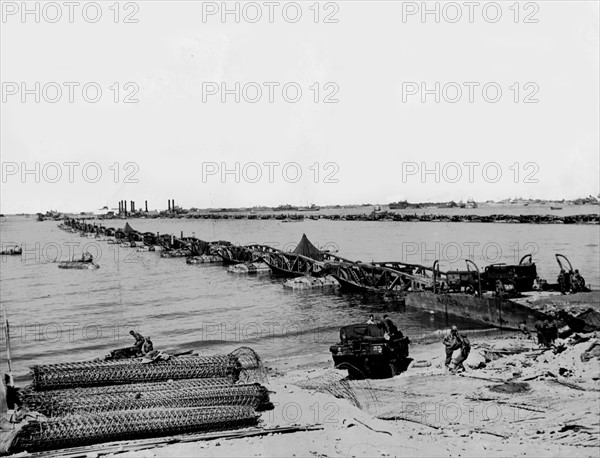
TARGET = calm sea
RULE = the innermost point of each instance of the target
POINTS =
(59, 315)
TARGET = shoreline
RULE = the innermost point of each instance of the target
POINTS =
(425, 411)
(383, 216)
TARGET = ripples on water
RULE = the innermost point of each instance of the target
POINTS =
(59, 315)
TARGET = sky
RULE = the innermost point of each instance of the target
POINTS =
(327, 103)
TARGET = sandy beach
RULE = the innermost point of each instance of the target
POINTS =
(428, 411)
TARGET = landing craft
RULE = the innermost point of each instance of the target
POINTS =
(500, 296)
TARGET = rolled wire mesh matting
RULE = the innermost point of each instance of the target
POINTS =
(29, 394)
(96, 373)
(252, 367)
(253, 395)
(81, 430)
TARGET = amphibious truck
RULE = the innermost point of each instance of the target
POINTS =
(367, 351)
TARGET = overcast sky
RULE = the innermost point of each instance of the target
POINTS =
(370, 146)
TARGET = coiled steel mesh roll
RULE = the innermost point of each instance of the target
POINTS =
(81, 430)
(30, 395)
(97, 373)
(253, 395)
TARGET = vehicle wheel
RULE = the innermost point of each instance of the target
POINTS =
(355, 374)
(404, 363)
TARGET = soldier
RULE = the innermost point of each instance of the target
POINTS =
(390, 327)
(564, 281)
(577, 282)
(552, 330)
(540, 327)
(139, 340)
(148, 346)
(452, 343)
(500, 291)
(524, 331)
(465, 349)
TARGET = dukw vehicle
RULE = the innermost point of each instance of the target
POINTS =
(367, 351)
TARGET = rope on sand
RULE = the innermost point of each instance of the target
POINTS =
(372, 429)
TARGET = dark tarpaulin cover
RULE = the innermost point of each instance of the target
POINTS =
(592, 320)
(358, 331)
(305, 248)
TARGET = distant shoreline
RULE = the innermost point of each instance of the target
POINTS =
(379, 216)
(392, 206)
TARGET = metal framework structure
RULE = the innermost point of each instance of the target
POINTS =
(382, 276)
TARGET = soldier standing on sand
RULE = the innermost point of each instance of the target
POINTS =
(540, 326)
(452, 342)
(547, 331)
(552, 330)
(465, 349)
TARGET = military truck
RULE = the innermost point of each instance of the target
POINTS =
(366, 351)
(520, 277)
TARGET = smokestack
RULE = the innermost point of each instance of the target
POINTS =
(125, 203)
(169, 204)
(146, 205)
(133, 206)
(119, 206)
(173, 204)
